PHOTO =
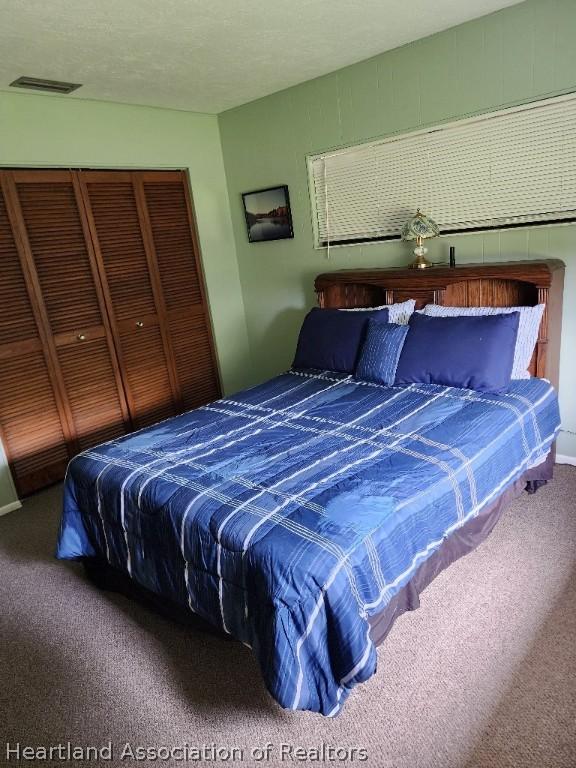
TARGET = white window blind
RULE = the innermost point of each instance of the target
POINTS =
(513, 167)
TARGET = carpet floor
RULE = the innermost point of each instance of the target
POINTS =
(483, 674)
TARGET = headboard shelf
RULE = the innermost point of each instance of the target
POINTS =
(505, 284)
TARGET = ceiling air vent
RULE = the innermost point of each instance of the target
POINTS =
(48, 86)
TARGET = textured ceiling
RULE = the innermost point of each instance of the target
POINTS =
(208, 55)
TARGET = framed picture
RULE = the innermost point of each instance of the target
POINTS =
(268, 214)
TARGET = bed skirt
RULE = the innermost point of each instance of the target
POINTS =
(460, 543)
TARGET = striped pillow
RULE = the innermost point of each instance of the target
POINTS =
(528, 328)
(381, 352)
(397, 313)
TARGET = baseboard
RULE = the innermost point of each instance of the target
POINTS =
(562, 459)
(10, 507)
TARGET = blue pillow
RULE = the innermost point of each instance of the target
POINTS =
(468, 352)
(330, 339)
(381, 351)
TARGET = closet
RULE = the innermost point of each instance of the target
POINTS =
(104, 322)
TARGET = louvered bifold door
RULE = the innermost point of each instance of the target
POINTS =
(133, 295)
(56, 235)
(168, 215)
(33, 419)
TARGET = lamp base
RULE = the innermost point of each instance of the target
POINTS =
(421, 262)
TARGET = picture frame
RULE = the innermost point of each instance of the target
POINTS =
(268, 214)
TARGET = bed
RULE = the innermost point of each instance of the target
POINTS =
(302, 516)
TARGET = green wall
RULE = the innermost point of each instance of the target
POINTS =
(519, 54)
(7, 490)
(52, 131)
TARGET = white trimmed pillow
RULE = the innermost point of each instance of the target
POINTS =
(397, 313)
(528, 328)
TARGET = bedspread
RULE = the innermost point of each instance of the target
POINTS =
(289, 513)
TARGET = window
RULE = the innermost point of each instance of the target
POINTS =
(505, 169)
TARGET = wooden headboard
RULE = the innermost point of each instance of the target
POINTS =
(508, 284)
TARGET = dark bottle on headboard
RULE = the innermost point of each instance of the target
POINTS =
(452, 256)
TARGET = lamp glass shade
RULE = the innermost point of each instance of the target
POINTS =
(419, 226)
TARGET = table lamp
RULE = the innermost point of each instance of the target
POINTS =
(419, 228)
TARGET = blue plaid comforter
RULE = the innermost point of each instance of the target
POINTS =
(291, 512)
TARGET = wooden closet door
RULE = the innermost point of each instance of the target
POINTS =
(57, 238)
(170, 226)
(33, 416)
(133, 295)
